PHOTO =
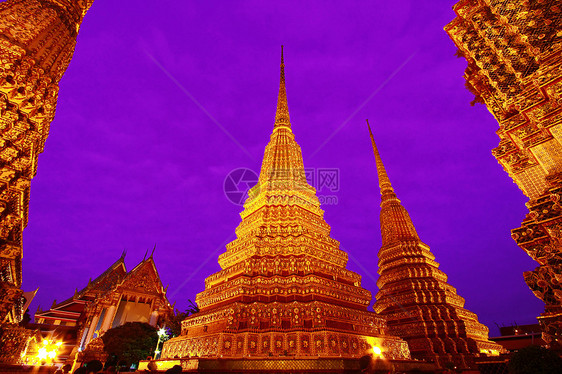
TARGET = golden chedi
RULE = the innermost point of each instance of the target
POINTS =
(513, 49)
(284, 290)
(414, 296)
(37, 39)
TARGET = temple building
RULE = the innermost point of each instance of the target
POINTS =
(513, 50)
(414, 296)
(514, 338)
(112, 299)
(37, 39)
(284, 298)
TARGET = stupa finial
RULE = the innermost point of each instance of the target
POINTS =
(384, 181)
(282, 114)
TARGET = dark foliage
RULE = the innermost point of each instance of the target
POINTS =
(94, 366)
(131, 342)
(174, 323)
(176, 369)
(535, 360)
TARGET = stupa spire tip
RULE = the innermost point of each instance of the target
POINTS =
(384, 181)
(282, 114)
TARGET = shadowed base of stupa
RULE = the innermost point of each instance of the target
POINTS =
(292, 365)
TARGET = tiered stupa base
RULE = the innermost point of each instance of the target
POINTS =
(269, 330)
(441, 333)
(446, 352)
(293, 365)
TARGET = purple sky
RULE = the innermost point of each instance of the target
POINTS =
(133, 160)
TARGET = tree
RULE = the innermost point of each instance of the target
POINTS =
(131, 342)
(94, 366)
(535, 360)
(174, 323)
(176, 369)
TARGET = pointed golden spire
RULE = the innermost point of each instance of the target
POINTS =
(396, 224)
(410, 279)
(282, 167)
(282, 113)
(384, 181)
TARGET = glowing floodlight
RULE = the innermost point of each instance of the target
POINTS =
(48, 352)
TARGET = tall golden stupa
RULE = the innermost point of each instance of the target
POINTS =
(37, 39)
(414, 296)
(284, 293)
(514, 53)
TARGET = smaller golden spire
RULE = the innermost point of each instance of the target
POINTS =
(396, 224)
(384, 181)
(282, 66)
(282, 114)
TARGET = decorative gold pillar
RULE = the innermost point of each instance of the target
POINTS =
(91, 329)
(153, 318)
(37, 39)
(514, 54)
(109, 315)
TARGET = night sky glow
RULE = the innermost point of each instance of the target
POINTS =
(163, 99)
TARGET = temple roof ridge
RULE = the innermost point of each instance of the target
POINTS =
(92, 283)
(140, 265)
(110, 269)
(115, 283)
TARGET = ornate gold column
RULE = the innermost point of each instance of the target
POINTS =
(153, 318)
(37, 39)
(514, 54)
(108, 318)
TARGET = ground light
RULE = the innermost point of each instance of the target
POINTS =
(162, 337)
(375, 360)
(48, 351)
(375, 345)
